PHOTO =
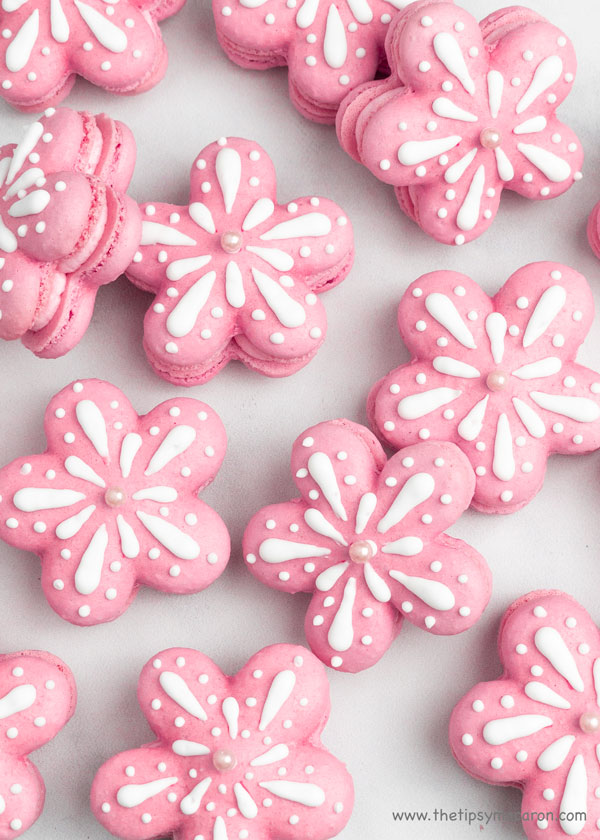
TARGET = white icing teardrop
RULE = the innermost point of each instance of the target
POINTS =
(191, 803)
(71, 526)
(30, 499)
(181, 268)
(170, 536)
(432, 592)
(231, 713)
(405, 547)
(322, 471)
(445, 313)
(184, 315)
(307, 13)
(546, 309)
(79, 469)
(531, 126)
(129, 542)
(8, 241)
(289, 312)
(496, 328)
(366, 506)
(377, 586)
(503, 465)
(32, 204)
(229, 173)
(105, 32)
(92, 422)
(417, 151)
(220, 829)
(234, 285)
(417, 489)
(160, 493)
(495, 83)
(89, 571)
(448, 51)
(202, 216)
(189, 748)
(59, 25)
(280, 551)
(555, 168)
(261, 210)
(529, 418)
(12, 5)
(20, 48)
(310, 224)
(542, 693)
(130, 796)
(335, 46)
(279, 692)
(573, 805)
(546, 74)
(551, 644)
(361, 10)
(153, 233)
(470, 426)
(4, 167)
(317, 522)
(179, 691)
(304, 793)
(444, 107)
(454, 367)
(23, 182)
(454, 173)
(18, 699)
(505, 168)
(29, 141)
(596, 674)
(507, 729)
(470, 210)
(539, 369)
(329, 577)
(273, 755)
(419, 405)
(581, 409)
(129, 448)
(175, 442)
(252, 4)
(246, 805)
(341, 630)
(555, 754)
(275, 257)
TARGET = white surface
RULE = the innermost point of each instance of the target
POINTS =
(389, 723)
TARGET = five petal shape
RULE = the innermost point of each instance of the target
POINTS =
(112, 503)
(367, 539)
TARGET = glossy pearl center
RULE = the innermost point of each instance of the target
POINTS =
(224, 760)
(231, 241)
(589, 722)
(497, 380)
(361, 551)
(490, 138)
(115, 497)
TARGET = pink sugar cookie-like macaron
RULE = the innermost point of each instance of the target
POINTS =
(234, 757)
(236, 275)
(37, 698)
(469, 110)
(112, 503)
(66, 225)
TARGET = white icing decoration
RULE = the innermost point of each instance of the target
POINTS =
(575, 408)
(189, 804)
(279, 551)
(341, 631)
(161, 493)
(19, 699)
(405, 547)
(417, 489)
(279, 692)
(58, 23)
(377, 586)
(551, 644)
(189, 748)
(175, 442)
(547, 308)
(555, 754)
(546, 74)
(183, 316)
(106, 33)
(30, 499)
(445, 313)
(153, 233)
(261, 210)
(29, 141)
(129, 542)
(455, 172)
(273, 755)
(418, 405)
(79, 469)
(503, 465)
(454, 367)
(366, 506)
(306, 13)
(92, 422)
(505, 168)
(202, 216)
(321, 470)
(501, 731)
(335, 46)
(273, 256)
(542, 693)
(19, 50)
(229, 172)
(247, 806)
(129, 449)
(311, 224)
(304, 793)
(317, 522)
(231, 713)
(181, 268)
(34, 203)
(416, 151)
(179, 691)
(496, 327)
(362, 11)
(539, 369)
(468, 215)
(130, 796)
(596, 674)
(529, 418)
(329, 577)
(450, 54)
(234, 285)
(289, 312)
(444, 107)
(432, 592)
(470, 426)
(531, 126)
(495, 82)
(89, 570)
(170, 536)
(71, 526)
(552, 166)
(574, 799)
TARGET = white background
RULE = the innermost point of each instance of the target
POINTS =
(389, 723)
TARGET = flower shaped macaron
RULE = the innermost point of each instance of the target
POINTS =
(329, 48)
(538, 726)
(112, 503)
(235, 757)
(474, 112)
(367, 539)
(115, 44)
(235, 274)
(66, 226)
(37, 698)
(496, 376)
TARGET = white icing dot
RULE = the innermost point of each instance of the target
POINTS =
(175, 571)
(478, 706)
(336, 661)
(522, 303)
(521, 649)
(424, 66)
(507, 701)
(467, 739)
(406, 606)
(384, 164)
(496, 763)
(84, 610)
